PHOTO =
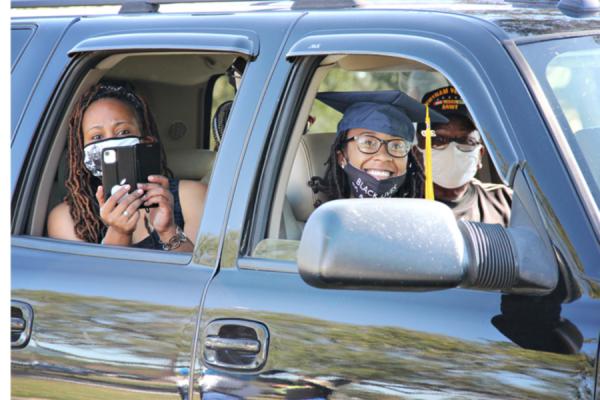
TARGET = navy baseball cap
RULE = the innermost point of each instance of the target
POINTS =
(389, 111)
(447, 101)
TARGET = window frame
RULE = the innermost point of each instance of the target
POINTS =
(41, 165)
(260, 217)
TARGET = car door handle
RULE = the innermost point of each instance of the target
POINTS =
(20, 324)
(217, 343)
(235, 344)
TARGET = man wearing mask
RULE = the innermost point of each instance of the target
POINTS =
(456, 156)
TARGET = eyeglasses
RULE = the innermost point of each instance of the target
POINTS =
(369, 144)
(438, 142)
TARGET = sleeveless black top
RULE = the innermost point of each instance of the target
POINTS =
(153, 240)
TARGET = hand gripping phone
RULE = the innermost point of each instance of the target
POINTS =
(129, 165)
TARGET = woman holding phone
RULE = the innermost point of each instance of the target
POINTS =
(163, 213)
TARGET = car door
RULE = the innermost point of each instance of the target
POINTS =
(266, 333)
(92, 321)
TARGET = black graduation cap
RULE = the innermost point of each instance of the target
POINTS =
(388, 111)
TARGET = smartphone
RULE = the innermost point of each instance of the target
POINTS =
(129, 165)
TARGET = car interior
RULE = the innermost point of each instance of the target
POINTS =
(184, 91)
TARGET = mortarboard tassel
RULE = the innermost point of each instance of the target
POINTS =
(428, 173)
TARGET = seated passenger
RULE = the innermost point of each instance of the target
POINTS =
(111, 114)
(371, 156)
(456, 155)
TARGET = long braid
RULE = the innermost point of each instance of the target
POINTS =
(340, 179)
(80, 183)
(414, 183)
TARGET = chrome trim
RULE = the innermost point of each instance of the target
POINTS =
(563, 147)
(17, 324)
(212, 343)
(218, 343)
(22, 325)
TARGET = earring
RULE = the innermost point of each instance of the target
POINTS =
(343, 162)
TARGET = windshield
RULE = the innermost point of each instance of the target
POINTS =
(569, 72)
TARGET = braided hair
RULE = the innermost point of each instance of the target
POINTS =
(80, 183)
(335, 184)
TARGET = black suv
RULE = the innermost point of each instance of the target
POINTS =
(282, 300)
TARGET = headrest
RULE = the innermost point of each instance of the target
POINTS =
(311, 156)
(192, 164)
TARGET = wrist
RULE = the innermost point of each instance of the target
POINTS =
(174, 241)
(115, 237)
(167, 234)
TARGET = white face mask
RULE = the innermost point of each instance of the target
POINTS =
(451, 167)
(93, 152)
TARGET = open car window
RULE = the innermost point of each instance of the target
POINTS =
(183, 92)
(309, 152)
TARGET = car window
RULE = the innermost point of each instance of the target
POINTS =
(164, 100)
(316, 135)
(569, 72)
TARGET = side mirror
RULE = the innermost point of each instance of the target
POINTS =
(416, 244)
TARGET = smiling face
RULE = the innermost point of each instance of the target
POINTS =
(107, 118)
(380, 165)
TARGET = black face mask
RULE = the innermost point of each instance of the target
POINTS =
(364, 185)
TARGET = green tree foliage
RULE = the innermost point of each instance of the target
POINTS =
(344, 81)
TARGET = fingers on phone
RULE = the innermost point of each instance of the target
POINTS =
(118, 195)
(100, 195)
(116, 204)
(158, 196)
(130, 213)
(124, 199)
(159, 179)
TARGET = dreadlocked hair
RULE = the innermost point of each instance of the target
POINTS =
(335, 185)
(80, 183)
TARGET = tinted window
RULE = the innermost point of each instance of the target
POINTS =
(569, 72)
